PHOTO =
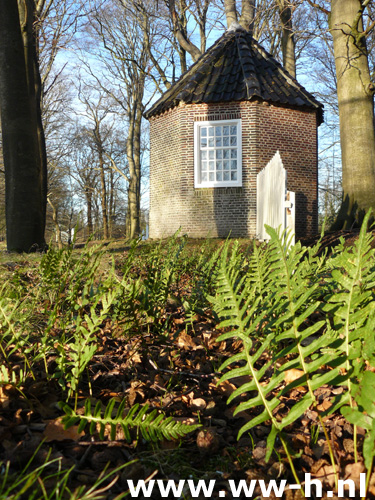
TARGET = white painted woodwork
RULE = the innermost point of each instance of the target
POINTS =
(290, 214)
(275, 206)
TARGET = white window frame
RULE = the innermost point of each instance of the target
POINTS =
(198, 183)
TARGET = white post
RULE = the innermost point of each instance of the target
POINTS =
(271, 188)
(290, 214)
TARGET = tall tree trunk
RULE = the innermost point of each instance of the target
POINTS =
(356, 111)
(179, 29)
(56, 224)
(26, 10)
(287, 38)
(230, 11)
(103, 187)
(111, 202)
(133, 148)
(25, 197)
(103, 195)
(88, 196)
(248, 14)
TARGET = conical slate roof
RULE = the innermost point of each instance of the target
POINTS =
(236, 68)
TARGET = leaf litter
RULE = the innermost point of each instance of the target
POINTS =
(175, 372)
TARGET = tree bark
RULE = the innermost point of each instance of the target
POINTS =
(356, 111)
(88, 196)
(25, 196)
(230, 11)
(179, 31)
(26, 10)
(103, 196)
(133, 151)
(56, 224)
(111, 203)
(248, 14)
(287, 38)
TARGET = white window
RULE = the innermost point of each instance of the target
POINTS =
(217, 154)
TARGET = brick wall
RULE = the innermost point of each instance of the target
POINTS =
(174, 202)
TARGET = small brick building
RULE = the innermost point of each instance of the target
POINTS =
(215, 128)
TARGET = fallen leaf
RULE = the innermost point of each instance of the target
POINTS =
(55, 431)
(327, 474)
(178, 321)
(324, 405)
(226, 388)
(349, 446)
(208, 441)
(185, 341)
(292, 375)
(5, 392)
(353, 471)
(198, 404)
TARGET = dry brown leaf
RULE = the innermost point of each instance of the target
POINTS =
(292, 375)
(208, 441)
(348, 445)
(4, 399)
(159, 380)
(259, 452)
(194, 403)
(198, 404)
(324, 405)
(55, 431)
(185, 341)
(226, 388)
(135, 392)
(327, 474)
(185, 399)
(178, 321)
(187, 420)
(353, 471)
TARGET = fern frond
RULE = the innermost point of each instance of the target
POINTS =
(291, 289)
(237, 304)
(153, 426)
(351, 303)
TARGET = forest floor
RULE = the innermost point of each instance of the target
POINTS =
(175, 371)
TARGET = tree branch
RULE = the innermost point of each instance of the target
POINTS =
(114, 167)
(230, 11)
(317, 6)
(182, 40)
(247, 14)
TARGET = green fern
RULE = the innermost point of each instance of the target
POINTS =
(363, 414)
(64, 276)
(155, 288)
(290, 286)
(13, 338)
(351, 303)
(203, 275)
(237, 303)
(153, 426)
(352, 307)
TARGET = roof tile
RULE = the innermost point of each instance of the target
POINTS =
(236, 68)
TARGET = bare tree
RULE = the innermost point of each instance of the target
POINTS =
(355, 92)
(82, 168)
(286, 8)
(124, 33)
(25, 172)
